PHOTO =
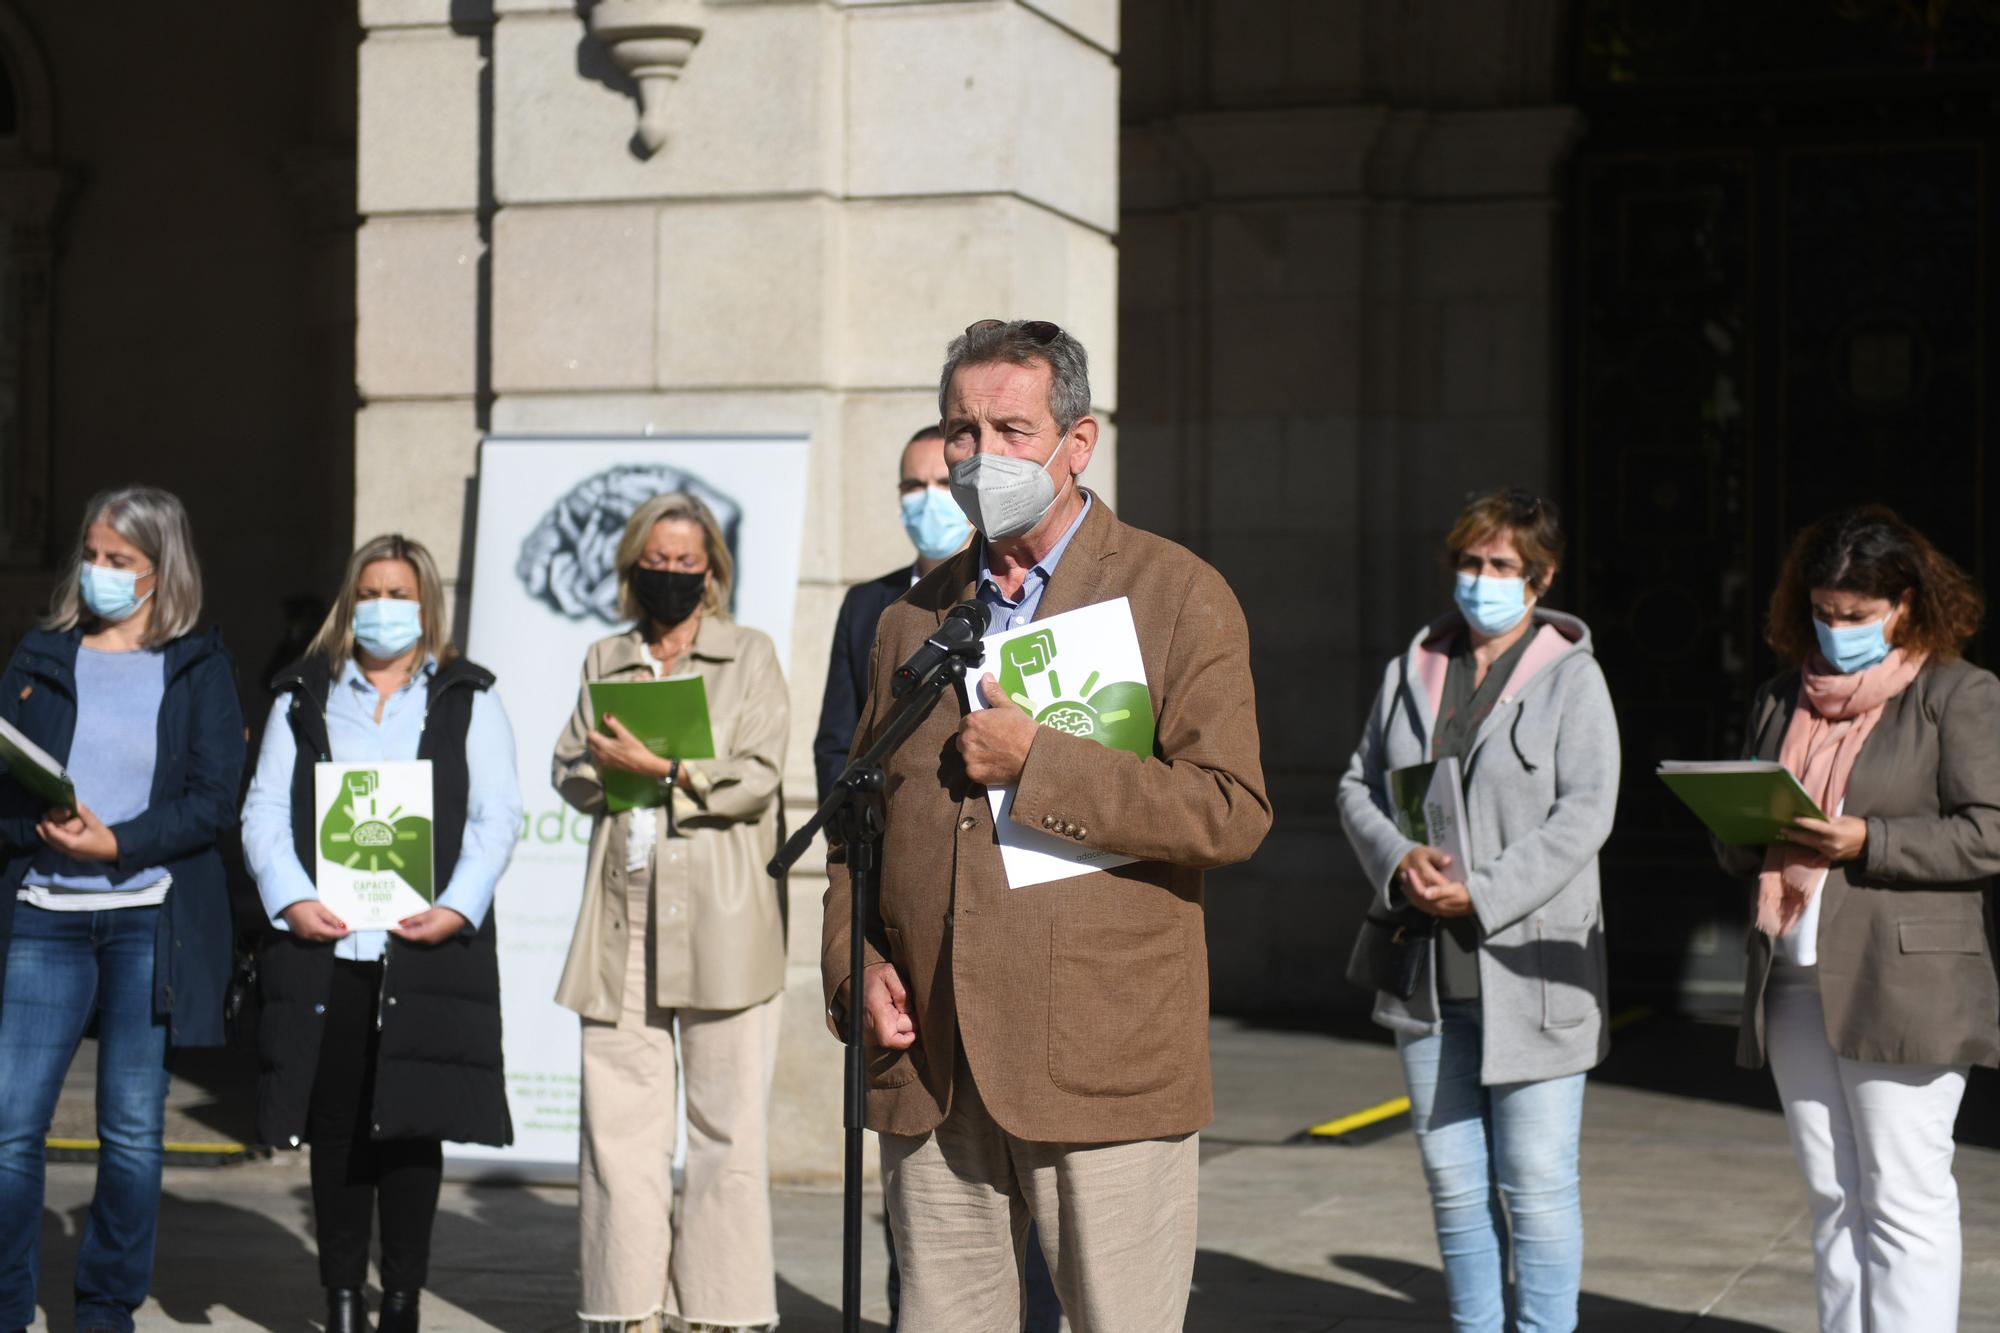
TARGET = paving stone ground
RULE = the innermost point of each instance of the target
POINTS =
(1695, 1216)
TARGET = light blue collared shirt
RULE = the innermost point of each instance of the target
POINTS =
(492, 812)
(1014, 614)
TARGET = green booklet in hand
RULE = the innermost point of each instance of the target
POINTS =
(34, 768)
(670, 718)
(1428, 802)
(1743, 801)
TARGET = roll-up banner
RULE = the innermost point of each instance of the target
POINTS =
(544, 588)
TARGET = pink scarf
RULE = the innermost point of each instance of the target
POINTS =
(1832, 719)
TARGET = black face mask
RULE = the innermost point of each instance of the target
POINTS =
(668, 596)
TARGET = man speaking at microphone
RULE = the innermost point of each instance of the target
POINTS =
(1042, 1052)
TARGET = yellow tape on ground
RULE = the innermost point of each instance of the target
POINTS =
(1638, 1013)
(1396, 1106)
(92, 1145)
(1347, 1124)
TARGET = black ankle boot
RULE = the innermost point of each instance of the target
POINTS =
(346, 1312)
(399, 1312)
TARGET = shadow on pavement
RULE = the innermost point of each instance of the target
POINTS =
(1232, 1294)
(1688, 1058)
(499, 1263)
(800, 1312)
(216, 1254)
(1672, 1054)
(515, 1252)
(60, 1236)
(228, 1075)
(211, 1255)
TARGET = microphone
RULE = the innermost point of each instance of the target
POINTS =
(959, 636)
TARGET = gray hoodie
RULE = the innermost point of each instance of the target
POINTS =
(1541, 790)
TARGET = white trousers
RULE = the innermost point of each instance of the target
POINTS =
(711, 1264)
(1117, 1223)
(1874, 1142)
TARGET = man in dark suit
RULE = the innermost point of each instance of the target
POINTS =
(938, 529)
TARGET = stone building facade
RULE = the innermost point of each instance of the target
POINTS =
(1337, 262)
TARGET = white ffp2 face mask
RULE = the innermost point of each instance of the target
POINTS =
(1004, 496)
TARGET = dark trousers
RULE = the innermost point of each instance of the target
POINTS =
(355, 1176)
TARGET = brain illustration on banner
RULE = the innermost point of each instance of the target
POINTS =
(1118, 714)
(569, 560)
(361, 835)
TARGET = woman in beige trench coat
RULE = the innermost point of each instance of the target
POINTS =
(678, 921)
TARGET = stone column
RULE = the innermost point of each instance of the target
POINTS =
(840, 189)
(419, 259)
(1347, 314)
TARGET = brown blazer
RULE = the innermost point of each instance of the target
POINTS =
(1082, 1005)
(1905, 968)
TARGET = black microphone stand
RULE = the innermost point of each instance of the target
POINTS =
(855, 812)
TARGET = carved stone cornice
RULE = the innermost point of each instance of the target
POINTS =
(650, 40)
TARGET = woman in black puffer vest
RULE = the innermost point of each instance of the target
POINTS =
(378, 1044)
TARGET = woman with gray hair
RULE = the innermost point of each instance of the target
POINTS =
(678, 939)
(113, 910)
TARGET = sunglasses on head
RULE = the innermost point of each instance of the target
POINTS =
(1523, 509)
(1040, 331)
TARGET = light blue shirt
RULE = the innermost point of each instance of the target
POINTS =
(111, 760)
(1014, 614)
(492, 812)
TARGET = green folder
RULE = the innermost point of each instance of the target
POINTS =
(1741, 801)
(1428, 804)
(34, 768)
(670, 717)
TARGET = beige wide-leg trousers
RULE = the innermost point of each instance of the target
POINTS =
(714, 1266)
(1117, 1222)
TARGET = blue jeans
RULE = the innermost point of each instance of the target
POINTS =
(63, 968)
(1513, 1144)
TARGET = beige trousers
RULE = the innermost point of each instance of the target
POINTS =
(712, 1264)
(1117, 1223)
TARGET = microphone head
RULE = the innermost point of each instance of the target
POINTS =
(970, 619)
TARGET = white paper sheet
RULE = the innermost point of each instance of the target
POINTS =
(1081, 672)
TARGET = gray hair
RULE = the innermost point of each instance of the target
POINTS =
(156, 522)
(1023, 342)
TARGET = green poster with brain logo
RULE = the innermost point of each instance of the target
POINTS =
(1118, 713)
(1080, 672)
(374, 843)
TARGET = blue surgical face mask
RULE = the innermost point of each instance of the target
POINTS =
(936, 525)
(1491, 605)
(385, 627)
(109, 592)
(1852, 648)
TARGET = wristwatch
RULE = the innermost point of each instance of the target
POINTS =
(672, 779)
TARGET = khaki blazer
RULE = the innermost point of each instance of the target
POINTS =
(1081, 1005)
(1905, 967)
(718, 942)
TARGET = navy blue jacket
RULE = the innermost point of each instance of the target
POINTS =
(196, 778)
(847, 672)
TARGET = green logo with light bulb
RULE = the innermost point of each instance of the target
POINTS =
(361, 836)
(1118, 715)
